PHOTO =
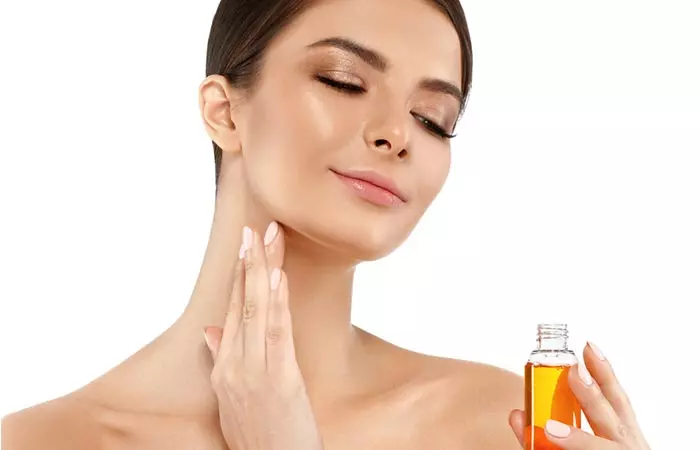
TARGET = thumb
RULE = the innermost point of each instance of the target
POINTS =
(212, 337)
(516, 419)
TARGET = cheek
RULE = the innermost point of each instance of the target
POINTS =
(292, 137)
(434, 167)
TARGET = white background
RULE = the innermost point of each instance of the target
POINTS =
(574, 195)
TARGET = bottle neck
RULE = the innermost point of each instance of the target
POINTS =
(552, 337)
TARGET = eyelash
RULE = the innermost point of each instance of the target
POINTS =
(353, 89)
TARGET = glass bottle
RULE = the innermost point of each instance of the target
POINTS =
(547, 392)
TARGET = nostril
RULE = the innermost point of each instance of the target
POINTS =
(382, 143)
(403, 153)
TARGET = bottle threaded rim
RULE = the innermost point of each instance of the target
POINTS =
(552, 330)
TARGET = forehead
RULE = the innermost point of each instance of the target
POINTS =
(414, 35)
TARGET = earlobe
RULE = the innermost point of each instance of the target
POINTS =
(216, 105)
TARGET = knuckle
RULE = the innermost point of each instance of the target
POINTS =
(248, 265)
(250, 308)
(230, 381)
(274, 334)
(294, 388)
(622, 431)
(216, 378)
(593, 399)
(222, 379)
(253, 384)
(228, 378)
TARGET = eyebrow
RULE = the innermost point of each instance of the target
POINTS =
(371, 57)
(381, 63)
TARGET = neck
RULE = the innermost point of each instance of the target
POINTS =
(320, 291)
(178, 364)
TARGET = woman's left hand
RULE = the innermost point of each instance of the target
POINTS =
(605, 405)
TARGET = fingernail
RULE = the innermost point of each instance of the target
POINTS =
(206, 339)
(275, 278)
(596, 351)
(271, 233)
(557, 429)
(247, 243)
(584, 375)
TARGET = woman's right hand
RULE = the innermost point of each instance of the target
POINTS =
(263, 404)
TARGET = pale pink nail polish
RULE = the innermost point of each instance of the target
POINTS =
(596, 351)
(206, 339)
(275, 278)
(584, 375)
(271, 233)
(247, 238)
(557, 429)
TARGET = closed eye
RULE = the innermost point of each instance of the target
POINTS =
(432, 127)
(348, 88)
(354, 89)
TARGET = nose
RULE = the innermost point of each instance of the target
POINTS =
(388, 134)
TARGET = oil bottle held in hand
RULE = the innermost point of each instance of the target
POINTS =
(547, 392)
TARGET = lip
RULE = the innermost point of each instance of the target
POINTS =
(372, 186)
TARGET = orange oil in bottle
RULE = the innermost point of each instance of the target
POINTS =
(548, 396)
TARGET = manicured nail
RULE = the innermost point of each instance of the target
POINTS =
(275, 278)
(596, 351)
(271, 233)
(557, 429)
(247, 243)
(584, 375)
(206, 339)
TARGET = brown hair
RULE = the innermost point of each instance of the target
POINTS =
(242, 30)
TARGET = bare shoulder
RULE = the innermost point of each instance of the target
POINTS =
(487, 394)
(490, 389)
(475, 402)
(498, 389)
(62, 423)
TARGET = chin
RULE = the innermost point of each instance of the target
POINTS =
(353, 242)
(375, 245)
(349, 233)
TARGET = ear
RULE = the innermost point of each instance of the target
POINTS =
(218, 102)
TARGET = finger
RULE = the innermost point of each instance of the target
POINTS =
(279, 337)
(255, 304)
(516, 419)
(604, 375)
(212, 337)
(231, 343)
(274, 246)
(601, 416)
(570, 438)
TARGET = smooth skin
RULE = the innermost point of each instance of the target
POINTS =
(261, 393)
(262, 397)
(279, 144)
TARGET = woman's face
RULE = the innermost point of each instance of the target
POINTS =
(353, 89)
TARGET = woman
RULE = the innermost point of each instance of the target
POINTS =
(331, 123)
